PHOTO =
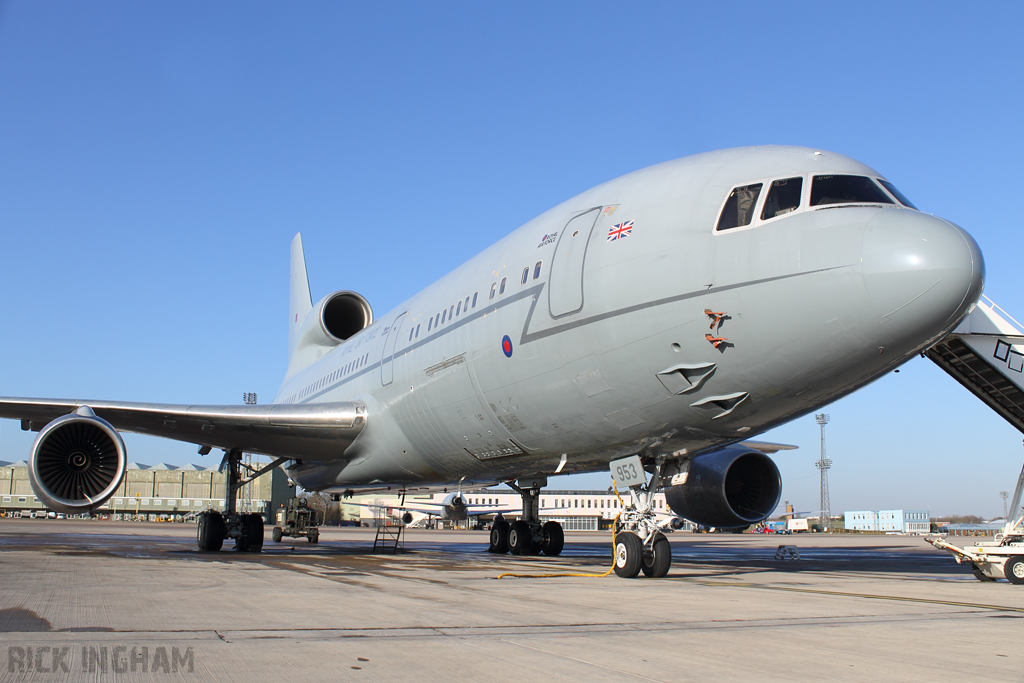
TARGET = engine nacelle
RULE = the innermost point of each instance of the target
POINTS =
(77, 463)
(731, 487)
(334, 319)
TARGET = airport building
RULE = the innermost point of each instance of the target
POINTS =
(575, 510)
(897, 521)
(169, 492)
(150, 492)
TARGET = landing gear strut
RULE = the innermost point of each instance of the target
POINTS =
(247, 530)
(526, 535)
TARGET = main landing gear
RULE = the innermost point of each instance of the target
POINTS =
(640, 545)
(526, 535)
(247, 530)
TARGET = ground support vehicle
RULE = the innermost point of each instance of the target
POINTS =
(1002, 558)
(296, 519)
(998, 559)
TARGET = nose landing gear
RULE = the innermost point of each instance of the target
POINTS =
(640, 544)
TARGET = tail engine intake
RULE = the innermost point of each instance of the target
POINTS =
(733, 486)
(77, 463)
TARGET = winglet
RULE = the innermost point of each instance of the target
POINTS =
(299, 301)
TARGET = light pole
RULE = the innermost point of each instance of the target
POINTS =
(1004, 495)
(823, 464)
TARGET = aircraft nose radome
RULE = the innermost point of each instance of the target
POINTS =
(921, 270)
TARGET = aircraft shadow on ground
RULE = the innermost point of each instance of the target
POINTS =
(691, 560)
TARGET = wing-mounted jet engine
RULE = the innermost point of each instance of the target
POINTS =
(77, 462)
(729, 487)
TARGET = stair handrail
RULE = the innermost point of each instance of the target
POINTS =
(999, 309)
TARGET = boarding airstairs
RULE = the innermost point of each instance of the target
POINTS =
(985, 353)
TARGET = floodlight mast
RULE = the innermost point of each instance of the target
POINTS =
(823, 464)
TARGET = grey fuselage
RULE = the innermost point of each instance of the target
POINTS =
(609, 351)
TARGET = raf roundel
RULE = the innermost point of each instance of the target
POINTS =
(506, 346)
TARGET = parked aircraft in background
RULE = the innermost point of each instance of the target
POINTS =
(454, 508)
(668, 314)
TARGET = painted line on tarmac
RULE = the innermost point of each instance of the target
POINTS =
(869, 596)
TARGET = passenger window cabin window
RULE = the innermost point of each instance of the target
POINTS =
(526, 275)
(536, 270)
(465, 306)
(846, 189)
(501, 289)
(474, 299)
(494, 287)
(411, 333)
(437, 320)
(417, 331)
(897, 194)
(444, 315)
(739, 207)
(451, 312)
(458, 309)
(783, 197)
(430, 324)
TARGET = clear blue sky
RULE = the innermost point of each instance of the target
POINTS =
(156, 158)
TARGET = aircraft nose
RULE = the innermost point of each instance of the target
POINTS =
(921, 270)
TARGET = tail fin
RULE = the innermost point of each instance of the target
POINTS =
(299, 301)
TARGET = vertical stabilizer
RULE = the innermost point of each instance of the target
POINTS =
(299, 301)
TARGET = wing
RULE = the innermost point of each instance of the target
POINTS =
(320, 431)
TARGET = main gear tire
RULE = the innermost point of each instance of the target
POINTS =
(210, 531)
(498, 537)
(520, 539)
(251, 538)
(554, 538)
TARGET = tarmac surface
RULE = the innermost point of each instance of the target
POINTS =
(138, 600)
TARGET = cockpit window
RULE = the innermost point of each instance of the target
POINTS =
(897, 194)
(783, 197)
(739, 208)
(846, 189)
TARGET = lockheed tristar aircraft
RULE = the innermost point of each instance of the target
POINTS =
(653, 323)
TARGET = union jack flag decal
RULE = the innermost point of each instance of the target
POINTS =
(621, 230)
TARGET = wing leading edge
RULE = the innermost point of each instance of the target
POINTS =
(319, 431)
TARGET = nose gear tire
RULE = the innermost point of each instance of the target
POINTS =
(629, 554)
(657, 562)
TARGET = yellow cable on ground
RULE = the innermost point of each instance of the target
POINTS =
(615, 525)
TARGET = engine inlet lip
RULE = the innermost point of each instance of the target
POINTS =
(39, 461)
